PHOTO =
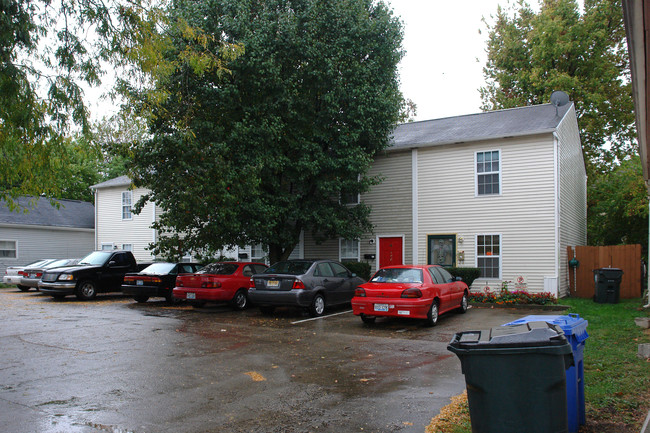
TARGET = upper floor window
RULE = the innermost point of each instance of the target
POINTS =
(348, 250)
(127, 247)
(127, 201)
(8, 249)
(488, 173)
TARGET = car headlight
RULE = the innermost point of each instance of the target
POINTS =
(66, 277)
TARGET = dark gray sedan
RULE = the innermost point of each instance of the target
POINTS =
(310, 284)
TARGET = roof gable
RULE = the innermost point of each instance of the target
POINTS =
(71, 213)
(514, 122)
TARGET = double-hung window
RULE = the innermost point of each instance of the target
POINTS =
(488, 173)
(488, 255)
(127, 201)
(348, 250)
(8, 249)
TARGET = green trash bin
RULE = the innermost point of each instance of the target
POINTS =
(608, 285)
(515, 377)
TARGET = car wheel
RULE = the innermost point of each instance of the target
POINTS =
(240, 300)
(141, 299)
(86, 290)
(432, 316)
(267, 310)
(464, 304)
(317, 307)
(23, 288)
(368, 320)
(169, 297)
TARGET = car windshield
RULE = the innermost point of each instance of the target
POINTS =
(159, 268)
(96, 258)
(58, 263)
(398, 275)
(219, 269)
(291, 267)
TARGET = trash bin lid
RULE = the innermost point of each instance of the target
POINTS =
(530, 334)
(609, 272)
(571, 324)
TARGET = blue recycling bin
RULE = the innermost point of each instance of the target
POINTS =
(575, 330)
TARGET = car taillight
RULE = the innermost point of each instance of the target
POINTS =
(360, 291)
(39, 274)
(179, 283)
(22, 273)
(298, 285)
(251, 284)
(412, 293)
(211, 284)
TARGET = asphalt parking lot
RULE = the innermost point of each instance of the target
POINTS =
(112, 365)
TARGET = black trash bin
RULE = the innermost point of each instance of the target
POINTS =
(515, 377)
(608, 285)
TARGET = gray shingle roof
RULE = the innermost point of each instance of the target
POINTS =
(118, 181)
(534, 119)
(71, 213)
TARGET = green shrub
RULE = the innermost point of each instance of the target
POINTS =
(362, 269)
(467, 274)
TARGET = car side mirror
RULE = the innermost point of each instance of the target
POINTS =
(112, 263)
(353, 275)
(458, 279)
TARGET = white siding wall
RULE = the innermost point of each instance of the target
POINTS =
(112, 229)
(524, 213)
(33, 243)
(573, 193)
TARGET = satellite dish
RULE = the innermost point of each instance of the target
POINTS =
(559, 98)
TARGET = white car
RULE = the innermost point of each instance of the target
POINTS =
(13, 273)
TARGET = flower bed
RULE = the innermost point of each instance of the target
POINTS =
(506, 297)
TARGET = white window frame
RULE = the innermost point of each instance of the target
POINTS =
(356, 201)
(107, 246)
(15, 249)
(127, 202)
(127, 247)
(256, 249)
(349, 258)
(477, 174)
(490, 256)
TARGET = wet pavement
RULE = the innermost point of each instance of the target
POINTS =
(112, 365)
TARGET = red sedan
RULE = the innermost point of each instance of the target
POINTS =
(218, 282)
(417, 291)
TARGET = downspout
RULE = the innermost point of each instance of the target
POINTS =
(96, 210)
(414, 208)
(556, 178)
(647, 266)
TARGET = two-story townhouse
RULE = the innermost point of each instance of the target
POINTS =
(504, 191)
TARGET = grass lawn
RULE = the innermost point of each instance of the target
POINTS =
(617, 381)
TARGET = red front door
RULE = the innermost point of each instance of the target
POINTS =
(390, 251)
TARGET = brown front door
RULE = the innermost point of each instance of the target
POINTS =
(391, 251)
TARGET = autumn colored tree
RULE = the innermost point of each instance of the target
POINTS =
(532, 53)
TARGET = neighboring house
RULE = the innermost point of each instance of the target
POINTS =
(45, 231)
(504, 191)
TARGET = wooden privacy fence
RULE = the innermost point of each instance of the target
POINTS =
(625, 257)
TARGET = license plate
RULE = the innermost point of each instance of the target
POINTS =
(32, 275)
(273, 284)
(190, 295)
(139, 282)
(403, 312)
(381, 307)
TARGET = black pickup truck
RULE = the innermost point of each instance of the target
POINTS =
(99, 271)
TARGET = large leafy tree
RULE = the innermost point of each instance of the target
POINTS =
(50, 51)
(619, 206)
(267, 149)
(531, 53)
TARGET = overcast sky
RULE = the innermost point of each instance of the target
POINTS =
(440, 71)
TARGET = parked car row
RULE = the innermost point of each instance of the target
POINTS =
(413, 291)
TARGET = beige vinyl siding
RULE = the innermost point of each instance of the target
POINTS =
(572, 195)
(523, 214)
(40, 242)
(326, 250)
(112, 229)
(392, 204)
